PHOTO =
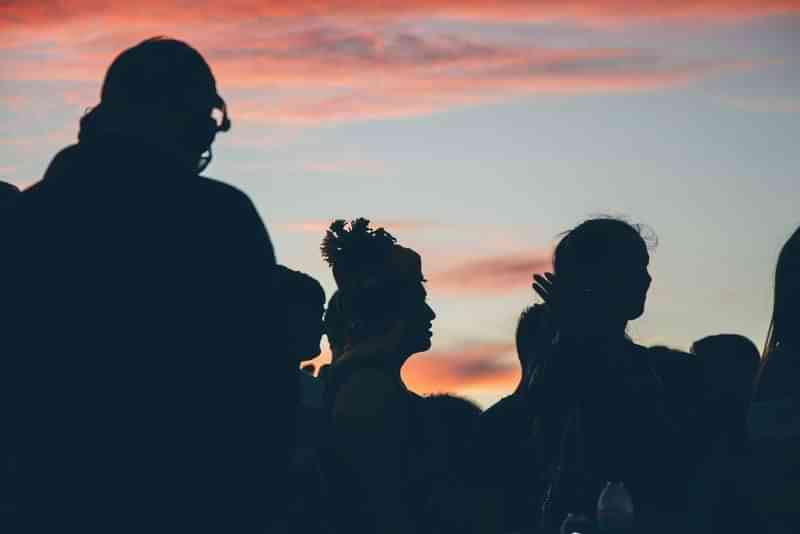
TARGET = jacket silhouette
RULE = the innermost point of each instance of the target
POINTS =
(140, 361)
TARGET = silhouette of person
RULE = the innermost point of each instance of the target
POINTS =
(506, 441)
(729, 364)
(305, 301)
(378, 436)
(458, 502)
(137, 328)
(718, 497)
(598, 400)
(775, 414)
(305, 306)
(8, 478)
(778, 378)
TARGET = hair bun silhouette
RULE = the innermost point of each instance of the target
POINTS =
(363, 257)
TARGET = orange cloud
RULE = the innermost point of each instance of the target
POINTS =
(492, 275)
(489, 366)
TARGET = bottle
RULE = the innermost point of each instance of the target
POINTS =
(577, 524)
(615, 508)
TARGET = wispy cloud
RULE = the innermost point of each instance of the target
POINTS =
(306, 63)
(45, 14)
(492, 276)
(360, 75)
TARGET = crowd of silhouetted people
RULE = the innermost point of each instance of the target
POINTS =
(154, 371)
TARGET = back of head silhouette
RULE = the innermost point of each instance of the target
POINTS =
(380, 283)
(730, 363)
(304, 299)
(162, 92)
(605, 260)
(785, 325)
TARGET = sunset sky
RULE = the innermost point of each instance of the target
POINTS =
(475, 132)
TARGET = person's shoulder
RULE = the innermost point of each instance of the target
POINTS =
(227, 202)
(221, 191)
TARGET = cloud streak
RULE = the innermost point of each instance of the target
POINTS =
(492, 276)
(306, 63)
(359, 75)
(43, 14)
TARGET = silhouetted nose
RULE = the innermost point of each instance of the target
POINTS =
(431, 313)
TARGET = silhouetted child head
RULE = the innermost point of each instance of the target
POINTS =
(161, 91)
(785, 324)
(380, 285)
(729, 363)
(305, 304)
(605, 260)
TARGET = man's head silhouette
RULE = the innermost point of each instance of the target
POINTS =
(162, 92)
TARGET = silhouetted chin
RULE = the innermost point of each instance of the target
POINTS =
(638, 312)
(419, 344)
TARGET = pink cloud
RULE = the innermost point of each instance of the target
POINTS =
(361, 75)
(308, 72)
(302, 70)
(45, 15)
(496, 275)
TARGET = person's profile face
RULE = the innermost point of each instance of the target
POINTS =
(418, 317)
(622, 282)
(636, 279)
